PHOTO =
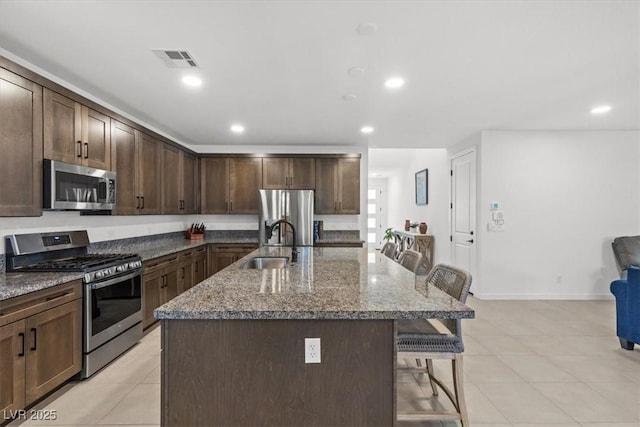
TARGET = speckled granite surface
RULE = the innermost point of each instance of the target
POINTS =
(16, 284)
(325, 283)
(165, 244)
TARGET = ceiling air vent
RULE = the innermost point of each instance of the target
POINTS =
(176, 58)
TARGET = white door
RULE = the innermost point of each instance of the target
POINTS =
(463, 211)
(375, 215)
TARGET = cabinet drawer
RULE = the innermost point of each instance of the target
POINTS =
(158, 263)
(18, 308)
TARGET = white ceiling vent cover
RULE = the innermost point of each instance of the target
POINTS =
(175, 58)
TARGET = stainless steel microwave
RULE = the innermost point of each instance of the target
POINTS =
(74, 187)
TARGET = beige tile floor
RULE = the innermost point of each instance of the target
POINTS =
(527, 363)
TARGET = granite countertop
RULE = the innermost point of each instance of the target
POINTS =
(16, 284)
(149, 251)
(325, 283)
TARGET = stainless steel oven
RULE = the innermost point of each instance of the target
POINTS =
(75, 187)
(113, 318)
(112, 312)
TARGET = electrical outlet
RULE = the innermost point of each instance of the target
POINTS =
(312, 350)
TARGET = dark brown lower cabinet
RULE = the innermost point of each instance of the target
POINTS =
(252, 372)
(40, 344)
(166, 277)
(159, 284)
(223, 255)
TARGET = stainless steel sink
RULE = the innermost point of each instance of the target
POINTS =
(261, 263)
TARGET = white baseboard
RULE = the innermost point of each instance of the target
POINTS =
(581, 297)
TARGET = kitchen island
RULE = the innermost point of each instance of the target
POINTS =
(233, 347)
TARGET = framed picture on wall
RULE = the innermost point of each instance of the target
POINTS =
(422, 187)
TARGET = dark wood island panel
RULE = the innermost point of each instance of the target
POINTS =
(252, 372)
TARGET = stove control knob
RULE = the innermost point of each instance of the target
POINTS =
(99, 274)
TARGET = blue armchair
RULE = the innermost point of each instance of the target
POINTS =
(627, 293)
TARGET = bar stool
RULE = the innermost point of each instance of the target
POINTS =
(389, 249)
(410, 259)
(422, 339)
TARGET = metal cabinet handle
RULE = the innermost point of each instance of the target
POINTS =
(470, 241)
(35, 339)
(21, 335)
(230, 206)
(57, 296)
(137, 202)
(142, 198)
(79, 147)
(86, 150)
(196, 266)
(182, 273)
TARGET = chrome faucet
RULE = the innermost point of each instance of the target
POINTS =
(269, 229)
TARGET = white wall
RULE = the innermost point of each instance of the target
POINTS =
(100, 228)
(400, 166)
(565, 195)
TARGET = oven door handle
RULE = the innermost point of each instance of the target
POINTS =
(115, 280)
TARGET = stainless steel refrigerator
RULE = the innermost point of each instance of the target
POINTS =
(295, 206)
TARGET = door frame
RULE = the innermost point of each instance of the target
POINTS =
(380, 185)
(474, 248)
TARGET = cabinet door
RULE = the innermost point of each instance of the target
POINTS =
(189, 183)
(149, 181)
(151, 284)
(326, 186)
(349, 186)
(171, 282)
(275, 173)
(245, 179)
(222, 259)
(53, 347)
(171, 180)
(125, 157)
(20, 145)
(214, 185)
(62, 128)
(12, 366)
(302, 174)
(199, 268)
(96, 139)
(186, 276)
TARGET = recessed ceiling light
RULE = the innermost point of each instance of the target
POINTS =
(366, 28)
(192, 81)
(601, 109)
(349, 97)
(237, 128)
(356, 71)
(394, 82)
(366, 129)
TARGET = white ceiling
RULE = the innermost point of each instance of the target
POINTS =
(280, 67)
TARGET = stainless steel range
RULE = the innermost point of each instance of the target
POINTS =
(112, 313)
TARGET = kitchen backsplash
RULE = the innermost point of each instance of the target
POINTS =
(340, 235)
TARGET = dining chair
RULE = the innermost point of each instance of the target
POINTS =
(410, 259)
(389, 249)
(432, 339)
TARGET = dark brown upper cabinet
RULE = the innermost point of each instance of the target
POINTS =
(230, 185)
(337, 186)
(74, 133)
(288, 173)
(190, 183)
(179, 181)
(21, 146)
(137, 159)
